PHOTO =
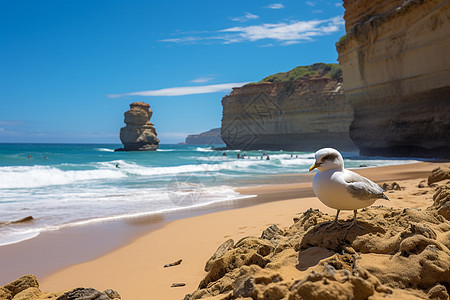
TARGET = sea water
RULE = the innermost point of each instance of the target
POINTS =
(73, 184)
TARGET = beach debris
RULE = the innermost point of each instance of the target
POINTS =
(219, 253)
(179, 284)
(173, 264)
(439, 174)
(393, 186)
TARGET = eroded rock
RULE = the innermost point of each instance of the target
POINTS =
(139, 134)
(401, 254)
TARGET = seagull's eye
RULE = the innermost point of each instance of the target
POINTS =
(325, 157)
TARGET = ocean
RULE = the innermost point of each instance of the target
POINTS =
(63, 185)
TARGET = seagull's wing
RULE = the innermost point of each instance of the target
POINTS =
(362, 188)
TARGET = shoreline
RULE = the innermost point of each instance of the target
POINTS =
(106, 243)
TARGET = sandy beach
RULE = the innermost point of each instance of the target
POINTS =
(135, 268)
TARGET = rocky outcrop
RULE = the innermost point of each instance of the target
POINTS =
(284, 112)
(396, 71)
(140, 133)
(211, 137)
(401, 254)
(27, 288)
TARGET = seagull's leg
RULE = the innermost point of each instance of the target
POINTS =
(335, 222)
(353, 223)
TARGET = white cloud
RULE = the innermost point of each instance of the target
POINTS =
(202, 79)
(296, 31)
(317, 11)
(248, 16)
(186, 90)
(285, 33)
(310, 3)
(275, 6)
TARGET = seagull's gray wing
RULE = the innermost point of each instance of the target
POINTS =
(362, 188)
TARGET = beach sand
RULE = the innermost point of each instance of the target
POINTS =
(136, 269)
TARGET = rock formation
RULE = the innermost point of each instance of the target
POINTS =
(396, 67)
(401, 254)
(140, 133)
(211, 137)
(285, 112)
(27, 288)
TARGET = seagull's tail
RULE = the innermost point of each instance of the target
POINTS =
(384, 197)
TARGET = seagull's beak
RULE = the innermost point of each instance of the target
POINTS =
(315, 165)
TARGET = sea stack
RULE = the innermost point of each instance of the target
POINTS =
(139, 134)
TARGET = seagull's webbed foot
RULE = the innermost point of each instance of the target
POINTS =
(354, 223)
(332, 223)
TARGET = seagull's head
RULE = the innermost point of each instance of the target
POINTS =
(327, 159)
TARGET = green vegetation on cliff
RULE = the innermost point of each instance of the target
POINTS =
(306, 72)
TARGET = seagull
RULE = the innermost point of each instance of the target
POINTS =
(342, 189)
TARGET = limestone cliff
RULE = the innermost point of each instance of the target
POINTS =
(139, 134)
(395, 60)
(287, 113)
(211, 137)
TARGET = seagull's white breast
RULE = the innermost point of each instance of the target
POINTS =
(331, 189)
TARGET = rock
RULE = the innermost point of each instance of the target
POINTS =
(211, 137)
(272, 232)
(112, 294)
(305, 113)
(173, 264)
(438, 292)
(29, 294)
(23, 220)
(406, 249)
(399, 93)
(21, 284)
(421, 184)
(439, 174)
(441, 201)
(178, 284)
(139, 134)
(244, 287)
(219, 253)
(83, 294)
(393, 186)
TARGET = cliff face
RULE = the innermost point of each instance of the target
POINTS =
(395, 60)
(211, 137)
(301, 114)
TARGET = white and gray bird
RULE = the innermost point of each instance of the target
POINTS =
(342, 189)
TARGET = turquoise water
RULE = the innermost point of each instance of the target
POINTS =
(72, 184)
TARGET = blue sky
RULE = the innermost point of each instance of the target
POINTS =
(70, 68)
